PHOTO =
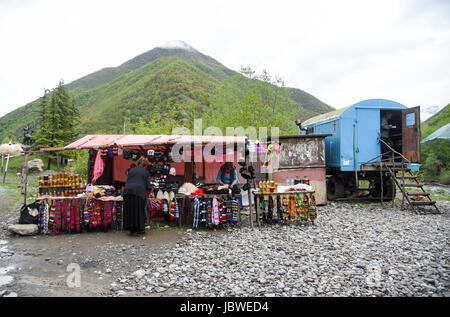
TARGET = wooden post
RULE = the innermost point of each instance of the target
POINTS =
(6, 168)
(250, 207)
(24, 178)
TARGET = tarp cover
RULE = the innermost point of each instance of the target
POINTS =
(442, 133)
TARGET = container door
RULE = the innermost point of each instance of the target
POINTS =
(367, 132)
(411, 134)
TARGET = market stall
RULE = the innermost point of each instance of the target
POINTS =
(68, 203)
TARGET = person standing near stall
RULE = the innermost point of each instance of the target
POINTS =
(227, 174)
(134, 196)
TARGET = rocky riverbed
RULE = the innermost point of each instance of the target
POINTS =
(351, 250)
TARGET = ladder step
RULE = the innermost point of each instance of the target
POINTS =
(412, 185)
(423, 203)
(418, 194)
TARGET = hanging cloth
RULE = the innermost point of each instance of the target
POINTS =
(209, 213)
(107, 220)
(235, 210)
(215, 212)
(196, 212)
(203, 211)
(98, 167)
(57, 218)
(312, 209)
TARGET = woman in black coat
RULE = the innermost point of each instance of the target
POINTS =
(134, 197)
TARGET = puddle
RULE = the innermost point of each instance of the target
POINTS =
(6, 279)
(4, 270)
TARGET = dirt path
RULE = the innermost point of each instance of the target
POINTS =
(37, 265)
(40, 263)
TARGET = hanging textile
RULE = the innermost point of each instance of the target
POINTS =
(107, 220)
(196, 212)
(215, 212)
(57, 218)
(98, 167)
(304, 209)
(203, 212)
(312, 208)
(270, 209)
(235, 210)
(208, 213)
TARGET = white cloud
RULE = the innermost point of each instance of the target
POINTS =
(339, 51)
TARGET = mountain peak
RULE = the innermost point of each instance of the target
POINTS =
(177, 44)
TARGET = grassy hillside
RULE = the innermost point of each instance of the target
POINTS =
(436, 121)
(150, 92)
(436, 154)
(163, 85)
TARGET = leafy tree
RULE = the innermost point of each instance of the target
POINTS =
(251, 100)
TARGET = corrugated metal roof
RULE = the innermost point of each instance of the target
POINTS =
(99, 140)
(369, 103)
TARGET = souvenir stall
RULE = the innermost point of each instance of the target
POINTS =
(282, 196)
(183, 191)
(66, 203)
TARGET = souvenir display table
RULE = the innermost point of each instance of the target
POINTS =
(209, 210)
(78, 214)
(285, 207)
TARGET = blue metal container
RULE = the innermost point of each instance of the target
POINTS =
(356, 131)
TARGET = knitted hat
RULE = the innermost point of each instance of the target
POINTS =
(160, 195)
(171, 195)
(166, 196)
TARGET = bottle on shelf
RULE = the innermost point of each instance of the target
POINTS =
(305, 180)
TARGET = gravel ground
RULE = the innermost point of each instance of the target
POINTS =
(352, 250)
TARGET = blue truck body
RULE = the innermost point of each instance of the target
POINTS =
(355, 133)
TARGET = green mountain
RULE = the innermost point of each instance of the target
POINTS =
(167, 85)
(435, 122)
(436, 154)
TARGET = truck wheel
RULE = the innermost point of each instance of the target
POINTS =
(388, 186)
(335, 188)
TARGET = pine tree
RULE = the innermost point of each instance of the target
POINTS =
(58, 118)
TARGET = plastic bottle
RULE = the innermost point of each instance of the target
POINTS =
(287, 180)
(305, 180)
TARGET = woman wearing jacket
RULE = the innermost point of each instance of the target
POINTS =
(134, 196)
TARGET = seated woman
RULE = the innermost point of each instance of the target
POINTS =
(227, 175)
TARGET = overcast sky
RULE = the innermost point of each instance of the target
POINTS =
(341, 52)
